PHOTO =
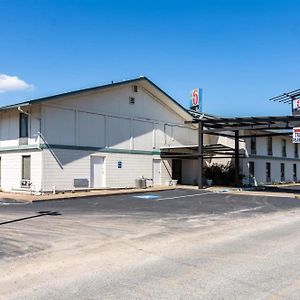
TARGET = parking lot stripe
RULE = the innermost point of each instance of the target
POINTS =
(243, 210)
(185, 196)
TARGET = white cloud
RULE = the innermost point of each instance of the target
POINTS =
(12, 83)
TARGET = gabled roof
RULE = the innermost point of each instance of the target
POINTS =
(173, 103)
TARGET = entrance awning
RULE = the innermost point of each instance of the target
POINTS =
(234, 128)
(191, 151)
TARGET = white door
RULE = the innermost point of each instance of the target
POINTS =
(156, 172)
(97, 172)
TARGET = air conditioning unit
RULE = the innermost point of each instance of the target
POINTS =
(25, 183)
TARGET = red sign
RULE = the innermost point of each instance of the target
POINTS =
(296, 135)
(195, 97)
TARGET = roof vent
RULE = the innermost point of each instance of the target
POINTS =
(135, 88)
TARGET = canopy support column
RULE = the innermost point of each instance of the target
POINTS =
(236, 158)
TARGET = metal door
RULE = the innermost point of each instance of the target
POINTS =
(156, 172)
(97, 172)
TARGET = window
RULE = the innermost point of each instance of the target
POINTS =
(283, 146)
(26, 167)
(296, 153)
(23, 130)
(282, 172)
(295, 172)
(270, 145)
(253, 145)
(268, 172)
(131, 100)
(251, 169)
(135, 88)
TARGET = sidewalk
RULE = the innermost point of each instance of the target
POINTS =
(245, 191)
(18, 197)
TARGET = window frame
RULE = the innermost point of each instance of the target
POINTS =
(268, 172)
(253, 145)
(295, 172)
(270, 146)
(296, 151)
(251, 169)
(22, 117)
(283, 147)
(282, 171)
(23, 175)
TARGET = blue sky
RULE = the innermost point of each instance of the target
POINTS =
(240, 52)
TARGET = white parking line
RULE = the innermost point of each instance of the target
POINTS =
(12, 203)
(243, 210)
(185, 196)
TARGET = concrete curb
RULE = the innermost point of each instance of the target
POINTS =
(94, 194)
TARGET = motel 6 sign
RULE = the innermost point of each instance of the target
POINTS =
(296, 135)
(196, 96)
(296, 107)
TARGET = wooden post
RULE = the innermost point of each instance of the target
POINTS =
(200, 155)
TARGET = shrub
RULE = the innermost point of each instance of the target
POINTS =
(221, 174)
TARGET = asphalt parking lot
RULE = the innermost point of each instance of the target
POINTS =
(135, 246)
(181, 201)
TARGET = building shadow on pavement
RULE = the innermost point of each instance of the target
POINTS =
(38, 215)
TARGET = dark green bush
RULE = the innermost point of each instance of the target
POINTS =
(220, 174)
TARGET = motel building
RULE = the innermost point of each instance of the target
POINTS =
(109, 136)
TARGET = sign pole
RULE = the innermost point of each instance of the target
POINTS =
(200, 155)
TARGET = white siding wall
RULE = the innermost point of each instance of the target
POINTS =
(106, 119)
(9, 126)
(261, 158)
(11, 170)
(62, 166)
(260, 169)
(91, 129)
(116, 101)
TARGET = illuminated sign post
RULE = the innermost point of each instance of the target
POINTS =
(196, 96)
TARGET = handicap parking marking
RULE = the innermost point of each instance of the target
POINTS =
(147, 196)
(157, 198)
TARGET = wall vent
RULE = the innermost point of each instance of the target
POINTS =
(135, 88)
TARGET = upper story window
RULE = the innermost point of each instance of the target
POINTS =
(135, 88)
(253, 145)
(23, 131)
(283, 145)
(270, 145)
(296, 153)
